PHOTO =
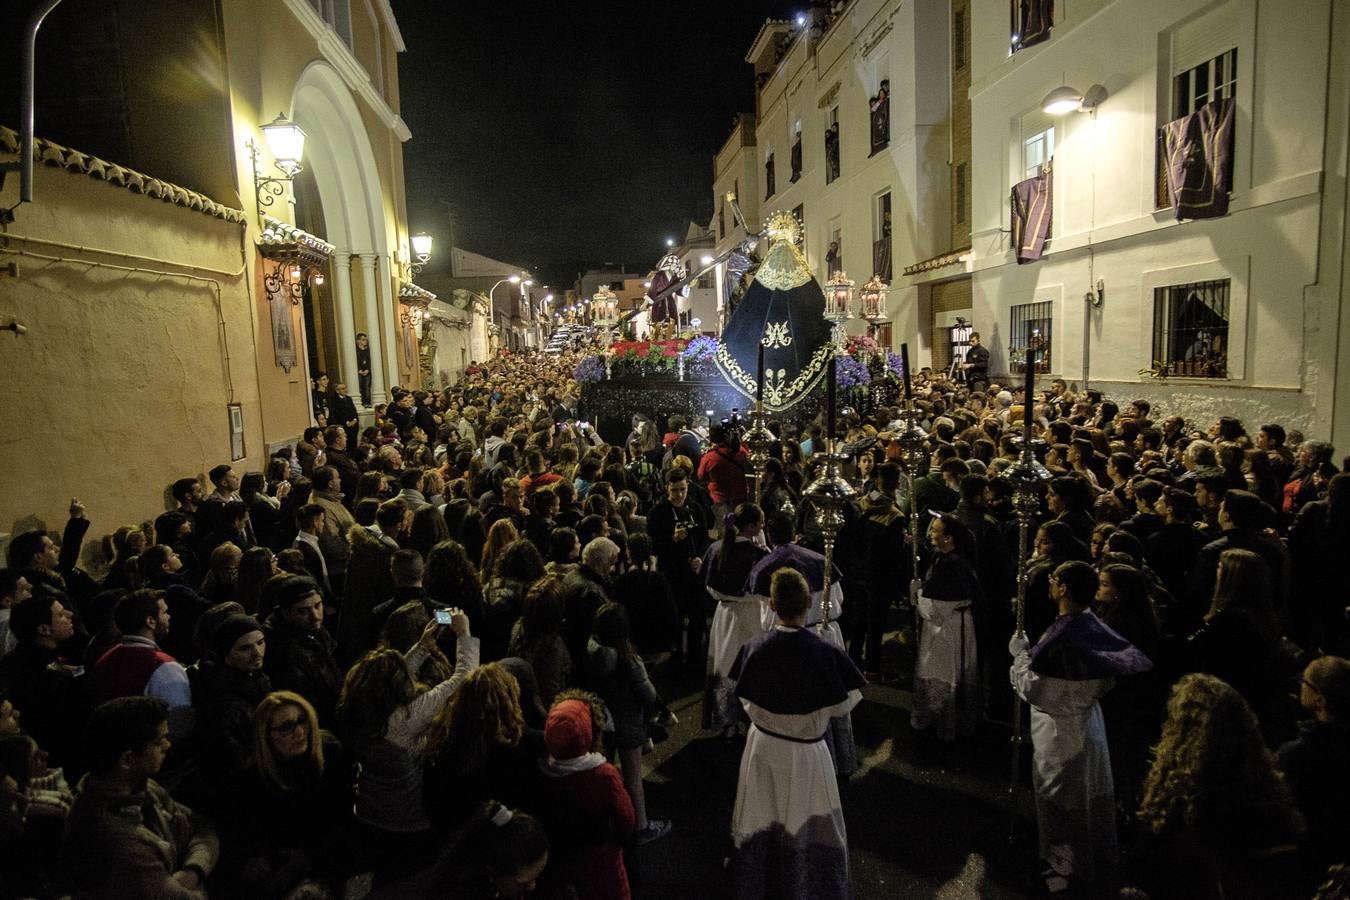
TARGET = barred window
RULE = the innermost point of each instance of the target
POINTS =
(959, 39)
(1030, 322)
(1190, 329)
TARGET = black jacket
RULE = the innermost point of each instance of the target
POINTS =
(302, 661)
(224, 699)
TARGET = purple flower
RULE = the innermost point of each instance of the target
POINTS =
(591, 368)
(895, 364)
(700, 348)
(851, 373)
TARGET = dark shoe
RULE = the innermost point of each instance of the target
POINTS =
(655, 830)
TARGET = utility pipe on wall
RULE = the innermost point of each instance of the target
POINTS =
(25, 161)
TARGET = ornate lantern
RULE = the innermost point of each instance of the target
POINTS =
(838, 304)
(872, 301)
(605, 307)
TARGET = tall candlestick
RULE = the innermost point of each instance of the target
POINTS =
(1026, 394)
(904, 365)
(829, 403)
(759, 374)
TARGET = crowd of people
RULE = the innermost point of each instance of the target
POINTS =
(430, 652)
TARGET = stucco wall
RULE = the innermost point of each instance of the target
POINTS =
(1106, 228)
(120, 384)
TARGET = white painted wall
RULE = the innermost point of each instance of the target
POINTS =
(1105, 226)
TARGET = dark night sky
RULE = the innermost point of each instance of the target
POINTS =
(562, 134)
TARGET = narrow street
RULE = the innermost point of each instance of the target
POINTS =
(923, 821)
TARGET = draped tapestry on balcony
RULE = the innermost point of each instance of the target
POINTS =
(1031, 207)
(1199, 161)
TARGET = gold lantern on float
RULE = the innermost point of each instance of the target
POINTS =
(872, 302)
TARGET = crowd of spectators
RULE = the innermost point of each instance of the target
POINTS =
(414, 652)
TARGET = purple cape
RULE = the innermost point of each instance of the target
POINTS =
(1079, 646)
(793, 672)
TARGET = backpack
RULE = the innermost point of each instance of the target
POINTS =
(645, 480)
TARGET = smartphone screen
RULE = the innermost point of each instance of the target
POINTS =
(443, 616)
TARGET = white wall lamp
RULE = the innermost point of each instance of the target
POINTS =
(421, 248)
(1065, 99)
(286, 143)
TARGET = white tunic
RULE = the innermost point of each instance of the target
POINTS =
(946, 675)
(1071, 769)
(787, 792)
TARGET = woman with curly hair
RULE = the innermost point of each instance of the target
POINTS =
(517, 567)
(450, 579)
(383, 718)
(537, 637)
(473, 749)
(1218, 817)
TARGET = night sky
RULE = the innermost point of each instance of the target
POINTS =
(567, 134)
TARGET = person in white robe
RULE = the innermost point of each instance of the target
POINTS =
(1062, 677)
(788, 823)
(780, 531)
(737, 617)
(946, 671)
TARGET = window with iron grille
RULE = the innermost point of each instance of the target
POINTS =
(1213, 79)
(1190, 329)
(1028, 323)
(799, 213)
(795, 157)
(769, 186)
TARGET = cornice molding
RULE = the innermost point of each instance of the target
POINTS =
(340, 56)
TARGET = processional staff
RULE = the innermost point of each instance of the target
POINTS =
(1028, 477)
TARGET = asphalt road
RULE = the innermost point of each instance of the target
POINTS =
(923, 820)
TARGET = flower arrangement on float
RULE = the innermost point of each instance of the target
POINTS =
(854, 369)
(643, 358)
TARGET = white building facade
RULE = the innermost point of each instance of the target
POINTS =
(1244, 312)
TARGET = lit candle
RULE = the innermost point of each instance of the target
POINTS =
(829, 403)
(904, 364)
(759, 374)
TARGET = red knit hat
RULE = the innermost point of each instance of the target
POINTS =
(567, 733)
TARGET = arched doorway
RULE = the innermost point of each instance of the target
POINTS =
(351, 215)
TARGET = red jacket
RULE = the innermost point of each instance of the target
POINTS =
(589, 817)
(724, 473)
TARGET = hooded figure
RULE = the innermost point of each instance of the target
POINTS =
(785, 308)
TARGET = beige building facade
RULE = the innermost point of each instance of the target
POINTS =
(172, 321)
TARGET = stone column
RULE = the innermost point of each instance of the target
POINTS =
(346, 327)
(393, 327)
(376, 317)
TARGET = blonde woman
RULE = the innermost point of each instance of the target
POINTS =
(290, 818)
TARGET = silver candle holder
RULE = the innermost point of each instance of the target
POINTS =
(829, 494)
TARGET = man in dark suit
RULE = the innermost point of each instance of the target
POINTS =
(342, 411)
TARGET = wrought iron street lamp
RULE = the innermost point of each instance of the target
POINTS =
(286, 142)
(421, 247)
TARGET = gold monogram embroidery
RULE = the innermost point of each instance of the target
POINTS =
(779, 393)
(776, 335)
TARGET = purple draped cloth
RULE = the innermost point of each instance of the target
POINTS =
(1199, 161)
(1079, 646)
(1031, 209)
